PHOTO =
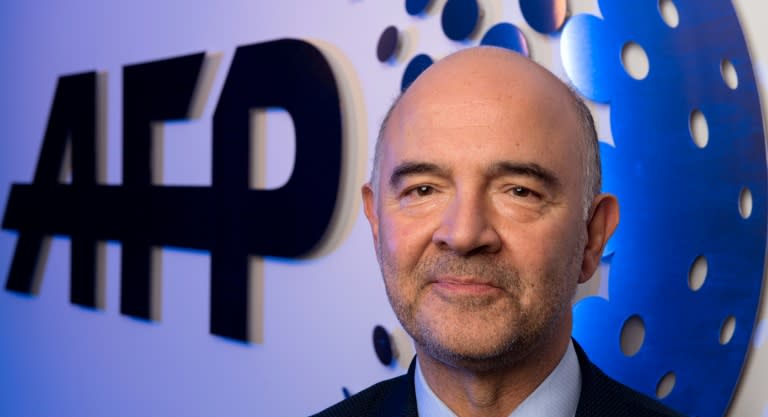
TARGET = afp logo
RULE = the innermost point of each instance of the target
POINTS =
(229, 219)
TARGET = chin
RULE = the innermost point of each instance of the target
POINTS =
(480, 353)
(476, 361)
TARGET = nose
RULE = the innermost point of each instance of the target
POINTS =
(466, 227)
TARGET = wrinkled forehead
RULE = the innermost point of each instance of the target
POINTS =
(437, 124)
(479, 126)
(484, 103)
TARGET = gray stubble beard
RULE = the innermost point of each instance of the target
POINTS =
(515, 347)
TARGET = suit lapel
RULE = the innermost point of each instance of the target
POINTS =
(401, 401)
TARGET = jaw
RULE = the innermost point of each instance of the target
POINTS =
(485, 335)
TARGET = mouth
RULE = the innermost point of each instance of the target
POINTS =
(468, 286)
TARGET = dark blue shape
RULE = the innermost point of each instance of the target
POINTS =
(72, 120)
(677, 201)
(382, 344)
(152, 91)
(545, 16)
(460, 18)
(388, 43)
(416, 7)
(506, 35)
(417, 65)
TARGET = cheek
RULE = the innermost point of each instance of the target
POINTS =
(528, 246)
(403, 241)
(547, 254)
(556, 235)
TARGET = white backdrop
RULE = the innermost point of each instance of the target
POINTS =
(318, 314)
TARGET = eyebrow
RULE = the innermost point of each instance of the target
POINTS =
(408, 168)
(532, 170)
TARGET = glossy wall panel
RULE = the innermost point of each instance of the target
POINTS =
(308, 315)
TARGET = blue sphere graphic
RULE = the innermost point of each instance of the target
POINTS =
(545, 16)
(415, 67)
(416, 7)
(506, 35)
(460, 18)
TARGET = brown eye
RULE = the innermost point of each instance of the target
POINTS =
(520, 191)
(423, 190)
(417, 194)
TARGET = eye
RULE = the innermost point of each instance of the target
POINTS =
(522, 192)
(417, 195)
(421, 190)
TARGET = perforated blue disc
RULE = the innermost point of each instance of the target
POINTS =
(679, 201)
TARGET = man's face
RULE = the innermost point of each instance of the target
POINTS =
(478, 221)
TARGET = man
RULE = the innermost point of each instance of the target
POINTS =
(486, 212)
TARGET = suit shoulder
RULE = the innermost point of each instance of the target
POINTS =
(602, 395)
(370, 401)
(624, 400)
(638, 401)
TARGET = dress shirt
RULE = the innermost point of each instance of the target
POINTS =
(556, 396)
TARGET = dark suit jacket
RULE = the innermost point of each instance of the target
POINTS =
(600, 396)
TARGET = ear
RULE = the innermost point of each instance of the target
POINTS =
(602, 223)
(369, 206)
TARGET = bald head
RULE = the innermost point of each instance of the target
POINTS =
(483, 73)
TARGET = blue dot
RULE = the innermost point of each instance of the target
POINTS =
(416, 7)
(545, 16)
(388, 43)
(460, 18)
(506, 35)
(382, 344)
(417, 65)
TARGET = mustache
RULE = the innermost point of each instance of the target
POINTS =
(484, 268)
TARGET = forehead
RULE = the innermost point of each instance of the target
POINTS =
(475, 126)
(434, 114)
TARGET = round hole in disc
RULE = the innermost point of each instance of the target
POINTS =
(635, 60)
(728, 72)
(698, 273)
(668, 12)
(699, 128)
(666, 385)
(745, 203)
(727, 329)
(632, 335)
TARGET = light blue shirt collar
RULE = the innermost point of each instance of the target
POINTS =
(556, 396)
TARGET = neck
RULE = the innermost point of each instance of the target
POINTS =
(495, 392)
